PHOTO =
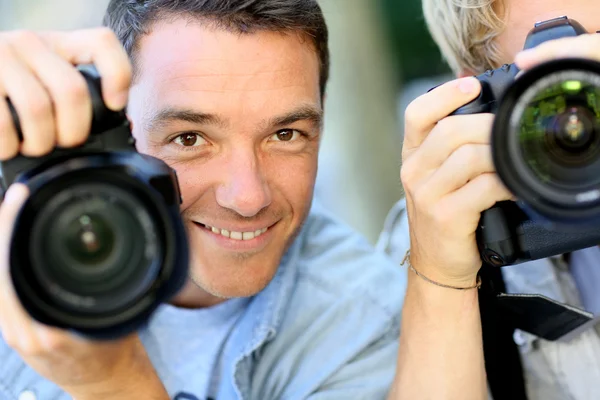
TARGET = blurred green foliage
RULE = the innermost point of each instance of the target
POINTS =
(413, 49)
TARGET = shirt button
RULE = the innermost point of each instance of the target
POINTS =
(27, 395)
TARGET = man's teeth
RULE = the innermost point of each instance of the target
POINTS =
(237, 235)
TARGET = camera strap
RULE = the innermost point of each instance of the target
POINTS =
(501, 355)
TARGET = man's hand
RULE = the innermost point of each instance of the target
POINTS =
(49, 94)
(37, 74)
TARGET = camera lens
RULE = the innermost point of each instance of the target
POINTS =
(95, 248)
(546, 141)
(99, 243)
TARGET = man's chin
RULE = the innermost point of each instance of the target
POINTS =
(209, 286)
(235, 285)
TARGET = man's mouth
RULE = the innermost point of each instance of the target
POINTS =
(235, 235)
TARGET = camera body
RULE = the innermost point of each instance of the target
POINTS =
(549, 218)
(99, 243)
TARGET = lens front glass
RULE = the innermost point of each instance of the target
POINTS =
(89, 239)
(97, 248)
(558, 130)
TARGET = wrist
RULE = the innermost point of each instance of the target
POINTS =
(434, 275)
(132, 386)
(134, 377)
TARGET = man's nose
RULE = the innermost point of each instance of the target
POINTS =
(244, 188)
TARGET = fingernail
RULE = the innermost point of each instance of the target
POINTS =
(468, 85)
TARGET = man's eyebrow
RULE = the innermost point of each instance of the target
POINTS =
(170, 114)
(303, 113)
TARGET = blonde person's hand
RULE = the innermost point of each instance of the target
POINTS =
(583, 46)
(447, 169)
(50, 96)
(449, 179)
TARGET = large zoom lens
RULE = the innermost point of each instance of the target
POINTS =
(99, 244)
(96, 248)
(546, 140)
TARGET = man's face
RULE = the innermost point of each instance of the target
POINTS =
(522, 15)
(238, 116)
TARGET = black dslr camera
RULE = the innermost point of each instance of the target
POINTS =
(99, 243)
(546, 150)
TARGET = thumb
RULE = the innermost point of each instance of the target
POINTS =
(9, 209)
(13, 319)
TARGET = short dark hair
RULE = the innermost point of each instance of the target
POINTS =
(131, 19)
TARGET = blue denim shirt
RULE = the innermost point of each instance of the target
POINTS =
(326, 327)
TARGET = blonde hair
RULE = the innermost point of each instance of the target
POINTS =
(465, 31)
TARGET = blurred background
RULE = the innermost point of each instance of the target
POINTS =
(382, 58)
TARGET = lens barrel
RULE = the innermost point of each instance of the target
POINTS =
(97, 247)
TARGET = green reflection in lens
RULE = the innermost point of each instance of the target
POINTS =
(559, 131)
(572, 86)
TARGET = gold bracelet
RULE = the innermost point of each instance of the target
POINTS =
(406, 260)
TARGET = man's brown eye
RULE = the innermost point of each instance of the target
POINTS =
(286, 135)
(188, 140)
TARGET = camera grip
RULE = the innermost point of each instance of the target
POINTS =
(507, 236)
(493, 84)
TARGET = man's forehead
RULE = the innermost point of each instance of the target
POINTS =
(179, 50)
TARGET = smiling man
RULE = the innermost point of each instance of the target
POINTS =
(282, 301)
(239, 117)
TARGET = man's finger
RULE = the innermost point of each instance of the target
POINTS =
(423, 113)
(450, 134)
(14, 199)
(100, 47)
(582, 46)
(9, 141)
(32, 104)
(465, 164)
(67, 89)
